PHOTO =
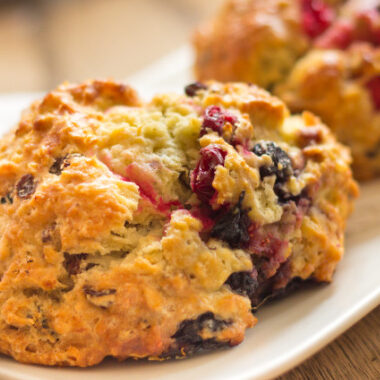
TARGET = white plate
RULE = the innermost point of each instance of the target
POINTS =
(289, 330)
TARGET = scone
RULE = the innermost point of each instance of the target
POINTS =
(343, 88)
(335, 73)
(153, 230)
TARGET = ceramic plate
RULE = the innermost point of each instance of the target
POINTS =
(289, 330)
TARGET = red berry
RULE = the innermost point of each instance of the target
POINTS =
(368, 26)
(204, 173)
(214, 118)
(374, 88)
(339, 36)
(316, 17)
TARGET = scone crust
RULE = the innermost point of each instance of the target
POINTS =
(102, 249)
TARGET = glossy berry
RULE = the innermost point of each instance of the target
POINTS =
(193, 88)
(282, 165)
(232, 226)
(374, 88)
(317, 16)
(204, 173)
(214, 118)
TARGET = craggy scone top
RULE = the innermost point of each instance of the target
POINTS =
(316, 55)
(138, 229)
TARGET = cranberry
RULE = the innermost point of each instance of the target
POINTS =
(214, 118)
(339, 36)
(317, 16)
(204, 173)
(374, 88)
(193, 88)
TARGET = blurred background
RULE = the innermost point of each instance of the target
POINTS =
(44, 42)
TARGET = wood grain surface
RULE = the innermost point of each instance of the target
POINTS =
(44, 42)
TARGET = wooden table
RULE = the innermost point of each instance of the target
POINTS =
(45, 42)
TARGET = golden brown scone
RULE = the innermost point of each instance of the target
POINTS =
(252, 41)
(344, 89)
(153, 230)
(335, 75)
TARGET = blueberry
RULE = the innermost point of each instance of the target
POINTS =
(282, 164)
(232, 226)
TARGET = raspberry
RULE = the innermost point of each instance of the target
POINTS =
(214, 118)
(316, 17)
(204, 173)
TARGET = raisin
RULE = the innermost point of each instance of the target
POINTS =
(26, 186)
(204, 173)
(7, 199)
(193, 88)
(214, 118)
(59, 164)
(282, 164)
(98, 293)
(232, 226)
(243, 283)
(72, 262)
(317, 16)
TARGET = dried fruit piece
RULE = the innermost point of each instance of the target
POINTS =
(59, 164)
(232, 227)
(192, 88)
(26, 186)
(72, 262)
(204, 173)
(188, 339)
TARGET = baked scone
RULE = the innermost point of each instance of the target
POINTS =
(343, 88)
(133, 229)
(335, 73)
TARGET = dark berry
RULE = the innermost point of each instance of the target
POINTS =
(59, 164)
(188, 338)
(243, 283)
(317, 16)
(98, 293)
(282, 164)
(374, 88)
(193, 88)
(204, 173)
(26, 186)
(214, 118)
(232, 226)
(72, 262)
